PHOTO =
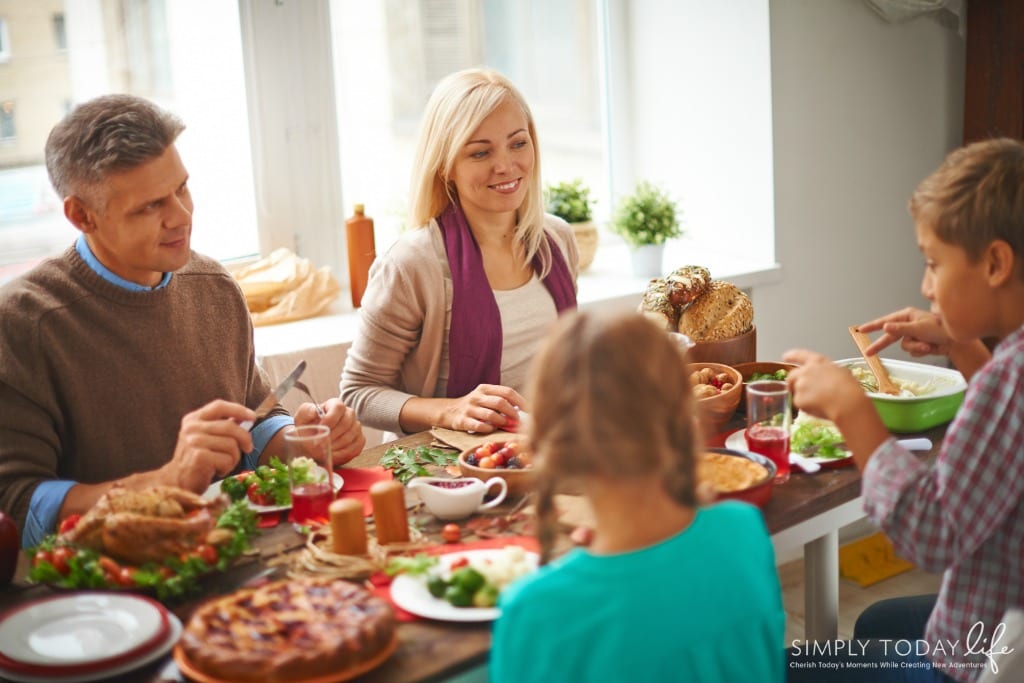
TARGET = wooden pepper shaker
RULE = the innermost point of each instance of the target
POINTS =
(348, 528)
(389, 512)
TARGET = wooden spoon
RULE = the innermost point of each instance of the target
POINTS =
(885, 383)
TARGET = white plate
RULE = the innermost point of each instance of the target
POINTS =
(738, 442)
(214, 490)
(77, 629)
(143, 659)
(411, 594)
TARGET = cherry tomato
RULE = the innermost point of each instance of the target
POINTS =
(111, 570)
(207, 553)
(451, 533)
(459, 563)
(68, 523)
(259, 498)
(126, 577)
(61, 555)
(42, 556)
(166, 572)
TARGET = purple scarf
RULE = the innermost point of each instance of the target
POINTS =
(474, 338)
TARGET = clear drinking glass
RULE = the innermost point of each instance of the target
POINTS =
(769, 414)
(310, 472)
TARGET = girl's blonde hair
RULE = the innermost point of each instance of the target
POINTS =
(610, 397)
(457, 107)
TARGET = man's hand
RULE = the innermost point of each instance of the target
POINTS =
(347, 439)
(210, 444)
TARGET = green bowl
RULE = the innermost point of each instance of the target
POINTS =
(908, 414)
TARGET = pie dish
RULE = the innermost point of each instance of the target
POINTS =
(313, 629)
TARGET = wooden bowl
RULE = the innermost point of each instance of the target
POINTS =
(519, 481)
(750, 369)
(732, 351)
(715, 412)
(758, 493)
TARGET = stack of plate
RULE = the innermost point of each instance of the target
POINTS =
(83, 637)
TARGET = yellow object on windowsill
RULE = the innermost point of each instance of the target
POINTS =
(284, 287)
(871, 559)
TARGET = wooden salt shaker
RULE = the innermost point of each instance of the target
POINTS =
(389, 512)
(348, 528)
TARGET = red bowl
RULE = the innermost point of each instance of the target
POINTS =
(760, 492)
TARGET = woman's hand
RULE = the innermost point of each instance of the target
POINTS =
(920, 333)
(485, 409)
(347, 439)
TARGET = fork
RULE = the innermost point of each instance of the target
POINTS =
(316, 404)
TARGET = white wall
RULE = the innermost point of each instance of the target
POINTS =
(863, 110)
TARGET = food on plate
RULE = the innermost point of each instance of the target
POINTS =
(908, 388)
(706, 383)
(722, 312)
(686, 284)
(468, 581)
(817, 436)
(289, 630)
(147, 525)
(688, 300)
(268, 484)
(96, 551)
(500, 455)
(728, 473)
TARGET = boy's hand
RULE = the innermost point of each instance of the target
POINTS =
(920, 333)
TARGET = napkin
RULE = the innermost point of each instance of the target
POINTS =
(464, 440)
(358, 481)
(284, 287)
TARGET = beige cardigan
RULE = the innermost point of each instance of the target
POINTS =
(404, 323)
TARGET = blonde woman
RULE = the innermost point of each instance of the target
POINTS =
(454, 311)
(667, 590)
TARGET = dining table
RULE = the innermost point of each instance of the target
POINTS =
(806, 513)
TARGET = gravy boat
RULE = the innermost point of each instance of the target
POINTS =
(448, 498)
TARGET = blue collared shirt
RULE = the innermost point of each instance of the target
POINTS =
(44, 508)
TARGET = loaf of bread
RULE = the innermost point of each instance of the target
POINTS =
(722, 312)
(686, 284)
(657, 306)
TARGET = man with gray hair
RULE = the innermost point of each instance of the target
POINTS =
(129, 358)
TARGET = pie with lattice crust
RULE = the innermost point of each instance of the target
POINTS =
(289, 630)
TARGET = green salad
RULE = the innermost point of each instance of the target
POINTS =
(817, 437)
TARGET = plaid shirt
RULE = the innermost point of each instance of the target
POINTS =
(964, 515)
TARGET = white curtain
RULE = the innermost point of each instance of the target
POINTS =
(951, 12)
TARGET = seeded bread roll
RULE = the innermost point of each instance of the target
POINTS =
(657, 306)
(722, 312)
(686, 284)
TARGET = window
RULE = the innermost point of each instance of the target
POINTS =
(5, 41)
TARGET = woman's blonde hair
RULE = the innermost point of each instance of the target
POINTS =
(610, 397)
(457, 107)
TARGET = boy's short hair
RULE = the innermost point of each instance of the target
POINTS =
(105, 135)
(975, 197)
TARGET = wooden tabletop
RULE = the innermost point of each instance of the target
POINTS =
(432, 650)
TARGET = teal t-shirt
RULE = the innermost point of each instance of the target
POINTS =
(704, 605)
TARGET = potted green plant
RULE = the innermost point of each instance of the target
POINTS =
(647, 219)
(570, 201)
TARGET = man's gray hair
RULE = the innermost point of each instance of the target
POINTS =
(105, 135)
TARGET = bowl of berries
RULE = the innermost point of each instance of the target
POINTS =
(506, 459)
(717, 389)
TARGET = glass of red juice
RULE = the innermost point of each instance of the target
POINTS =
(310, 468)
(769, 414)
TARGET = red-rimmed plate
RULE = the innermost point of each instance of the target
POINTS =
(137, 656)
(737, 441)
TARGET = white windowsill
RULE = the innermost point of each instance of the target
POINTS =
(608, 282)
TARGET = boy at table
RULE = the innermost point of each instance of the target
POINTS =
(129, 358)
(667, 590)
(963, 515)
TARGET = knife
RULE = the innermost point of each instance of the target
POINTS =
(276, 395)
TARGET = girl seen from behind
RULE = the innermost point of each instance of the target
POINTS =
(667, 590)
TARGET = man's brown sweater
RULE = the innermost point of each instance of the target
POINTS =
(95, 378)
